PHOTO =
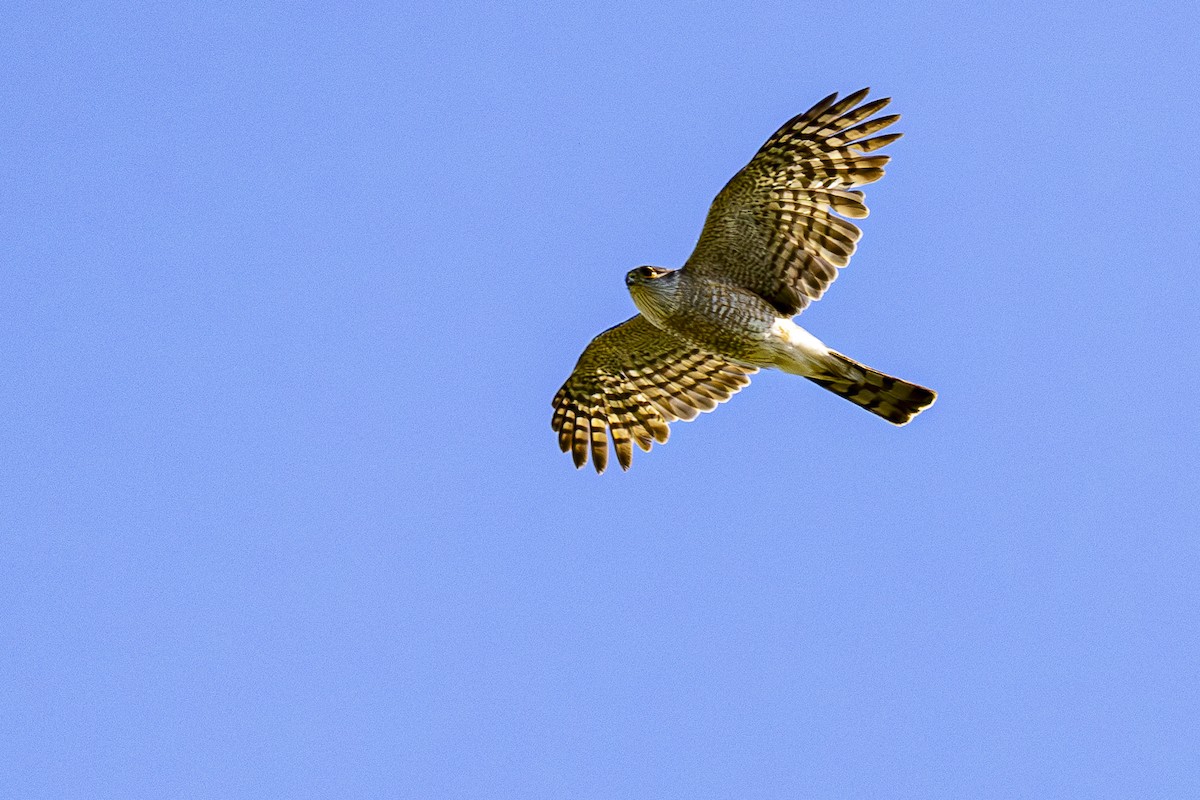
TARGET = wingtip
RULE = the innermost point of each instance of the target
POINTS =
(854, 98)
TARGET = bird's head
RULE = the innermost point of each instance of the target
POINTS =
(653, 290)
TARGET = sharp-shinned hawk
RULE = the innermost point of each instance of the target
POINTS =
(773, 241)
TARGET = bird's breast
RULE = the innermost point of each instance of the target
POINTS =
(723, 319)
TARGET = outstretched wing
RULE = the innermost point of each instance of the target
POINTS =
(773, 228)
(632, 380)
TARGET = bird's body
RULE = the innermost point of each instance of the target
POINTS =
(770, 246)
(717, 316)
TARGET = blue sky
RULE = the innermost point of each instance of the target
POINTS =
(287, 292)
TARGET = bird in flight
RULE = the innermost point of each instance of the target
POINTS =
(773, 241)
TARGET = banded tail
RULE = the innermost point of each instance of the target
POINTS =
(895, 400)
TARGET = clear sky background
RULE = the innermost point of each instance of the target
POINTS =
(287, 290)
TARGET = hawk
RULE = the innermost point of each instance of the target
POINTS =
(773, 241)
